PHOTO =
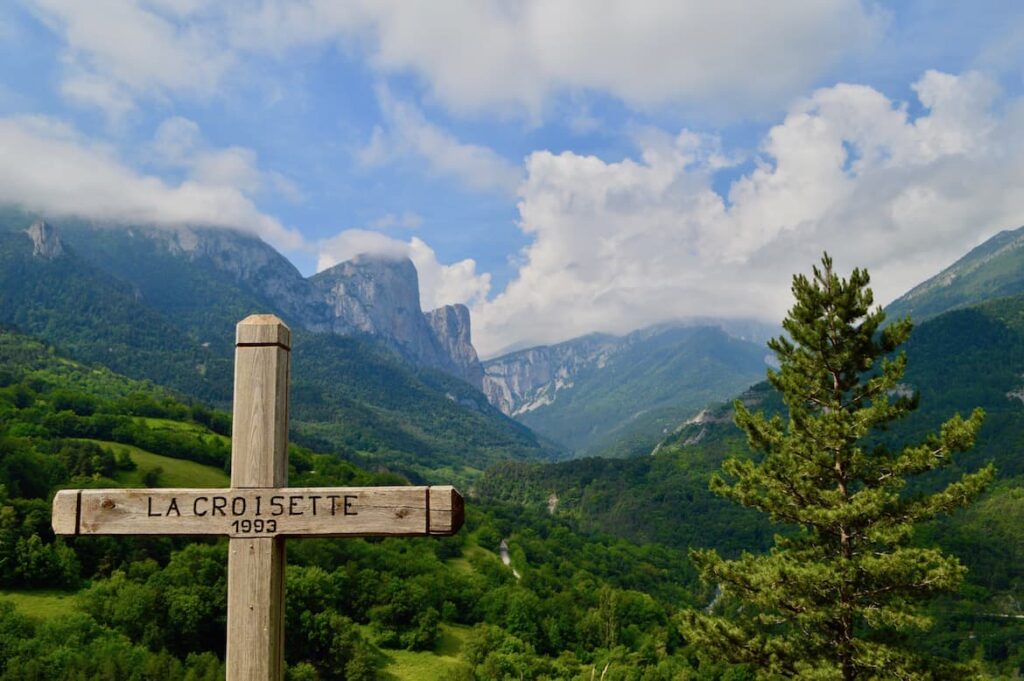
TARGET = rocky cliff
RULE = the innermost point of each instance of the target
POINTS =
(171, 267)
(451, 327)
(526, 380)
(379, 296)
(45, 242)
(615, 396)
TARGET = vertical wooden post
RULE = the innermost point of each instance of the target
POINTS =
(259, 458)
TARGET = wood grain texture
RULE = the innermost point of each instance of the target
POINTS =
(263, 329)
(259, 432)
(447, 510)
(259, 459)
(255, 646)
(295, 511)
(65, 512)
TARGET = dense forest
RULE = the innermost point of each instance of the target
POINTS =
(966, 357)
(597, 577)
(153, 608)
(587, 600)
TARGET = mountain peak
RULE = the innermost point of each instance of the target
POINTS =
(379, 295)
(452, 329)
(179, 269)
(370, 293)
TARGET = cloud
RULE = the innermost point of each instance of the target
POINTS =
(477, 55)
(178, 143)
(407, 220)
(409, 135)
(117, 50)
(440, 284)
(619, 245)
(47, 166)
(489, 56)
(90, 90)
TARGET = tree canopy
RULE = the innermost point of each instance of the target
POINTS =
(839, 594)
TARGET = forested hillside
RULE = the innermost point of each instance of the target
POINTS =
(585, 601)
(350, 393)
(153, 608)
(956, 361)
(120, 393)
(617, 396)
(994, 269)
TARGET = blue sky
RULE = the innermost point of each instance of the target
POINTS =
(561, 167)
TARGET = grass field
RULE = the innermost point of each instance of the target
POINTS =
(181, 427)
(42, 604)
(462, 564)
(442, 663)
(176, 472)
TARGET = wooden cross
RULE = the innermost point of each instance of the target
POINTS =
(259, 510)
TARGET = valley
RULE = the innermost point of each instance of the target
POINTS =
(586, 464)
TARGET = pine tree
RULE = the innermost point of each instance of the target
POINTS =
(841, 592)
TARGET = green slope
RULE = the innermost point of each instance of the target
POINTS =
(624, 406)
(41, 604)
(172, 322)
(153, 607)
(97, 319)
(992, 270)
(959, 360)
(171, 472)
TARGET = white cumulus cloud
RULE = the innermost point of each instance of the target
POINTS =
(618, 245)
(409, 135)
(473, 55)
(178, 143)
(47, 166)
(492, 55)
(116, 50)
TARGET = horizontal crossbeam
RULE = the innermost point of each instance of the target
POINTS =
(261, 512)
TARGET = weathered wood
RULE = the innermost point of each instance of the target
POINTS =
(259, 510)
(259, 459)
(255, 648)
(263, 512)
(263, 329)
(259, 431)
(447, 510)
(65, 512)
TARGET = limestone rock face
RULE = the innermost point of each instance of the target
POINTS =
(529, 379)
(373, 295)
(379, 296)
(46, 243)
(451, 327)
(252, 262)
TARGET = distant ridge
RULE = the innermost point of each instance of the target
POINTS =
(617, 395)
(992, 270)
(161, 304)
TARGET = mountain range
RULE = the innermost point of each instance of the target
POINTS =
(619, 395)
(188, 284)
(592, 545)
(168, 298)
(372, 375)
(968, 353)
(172, 268)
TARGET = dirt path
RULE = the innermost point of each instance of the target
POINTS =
(503, 551)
